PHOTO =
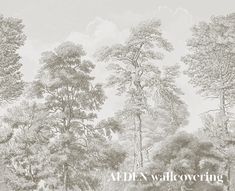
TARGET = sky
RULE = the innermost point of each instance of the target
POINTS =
(96, 23)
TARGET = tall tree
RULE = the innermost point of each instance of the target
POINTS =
(136, 75)
(11, 39)
(211, 61)
(166, 115)
(25, 156)
(211, 68)
(72, 99)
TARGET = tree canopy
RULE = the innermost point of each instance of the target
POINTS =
(11, 39)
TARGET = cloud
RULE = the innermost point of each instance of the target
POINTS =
(99, 32)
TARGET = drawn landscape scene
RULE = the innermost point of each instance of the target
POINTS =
(117, 95)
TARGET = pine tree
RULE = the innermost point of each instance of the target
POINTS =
(211, 68)
(211, 61)
(137, 77)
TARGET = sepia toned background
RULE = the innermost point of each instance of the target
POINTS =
(183, 133)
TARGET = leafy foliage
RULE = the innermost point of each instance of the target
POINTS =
(25, 154)
(211, 59)
(137, 76)
(55, 143)
(211, 68)
(12, 38)
(182, 154)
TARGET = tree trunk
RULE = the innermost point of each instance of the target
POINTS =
(229, 177)
(228, 168)
(139, 147)
(138, 125)
(223, 112)
(135, 146)
(232, 173)
(225, 127)
(65, 181)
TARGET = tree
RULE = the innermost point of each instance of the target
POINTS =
(183, 154)
(77, 149)
(25, 155)
(28, 155)
(211, 61)
(12, 38)
(167, 114)
(170, 110)
(11, 84)
(136, 75)
(211, 66)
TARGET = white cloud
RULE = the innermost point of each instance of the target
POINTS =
(99, 32)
